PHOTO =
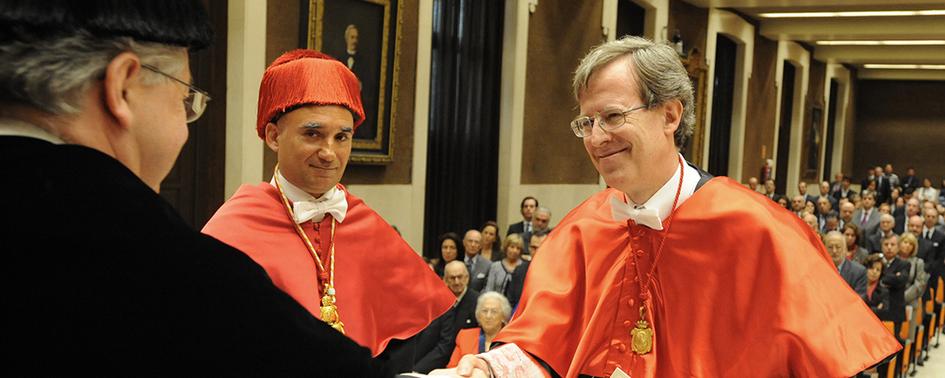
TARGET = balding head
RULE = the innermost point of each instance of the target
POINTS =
(456, 277)
(886, 223)
(836, 245)
(472, 242)
(846, 211)
(811, 221)
(915, 224)
(797, 203)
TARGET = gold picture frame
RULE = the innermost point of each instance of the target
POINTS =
(365, 35)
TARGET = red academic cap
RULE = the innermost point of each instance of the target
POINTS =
(306, 77)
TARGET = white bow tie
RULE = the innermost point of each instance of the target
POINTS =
(333, 203)
(647, 217)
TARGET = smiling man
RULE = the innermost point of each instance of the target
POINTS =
(319, 243)
(670, 272)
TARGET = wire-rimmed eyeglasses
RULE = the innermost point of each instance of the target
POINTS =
(608, 119)
(195, 102)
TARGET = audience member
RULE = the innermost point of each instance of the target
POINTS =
(852, 272)
(769, 190)
(896, 279)
(493, 312)
(802, 190)
(449, 250)
(855, 252)
(825, 193)
(910, 181)
(797, 205)
(824, 207)
(528, 206)
(831, 223)
(867, 217)
(883, 185)
(491, 242)
(456, 276)
(753, 184)
(844, 190)
(540, 225)
(877, 296)
(874, 243)
(847, 209)
(884, 208)
(535, 242)
(478, 266)
(502, 272)
(811, 221)
(892, 176)
(836, 185)
(783, 202)
(926, 192)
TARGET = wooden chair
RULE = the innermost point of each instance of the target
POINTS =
(939, 298)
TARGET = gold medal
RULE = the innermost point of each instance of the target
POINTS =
(641, 337)
(330, 312)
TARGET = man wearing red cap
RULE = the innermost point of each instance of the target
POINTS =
(319, 243)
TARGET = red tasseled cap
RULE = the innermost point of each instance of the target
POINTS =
(306, 77)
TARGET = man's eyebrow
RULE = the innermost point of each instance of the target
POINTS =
(347, 129)
(311, 125)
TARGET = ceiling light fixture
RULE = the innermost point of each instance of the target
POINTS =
(904, 66)
(927, 42)
(927, 12)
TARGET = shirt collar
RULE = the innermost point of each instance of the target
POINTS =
(295, 194)
(15, 127)
(662, 200)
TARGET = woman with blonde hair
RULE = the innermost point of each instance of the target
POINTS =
(504, 274)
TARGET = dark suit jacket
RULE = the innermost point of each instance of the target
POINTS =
(465, 311)
(119, 284)
(516, 228)
(900, 215)
(435, 343)
(880, 297)
(855, 275)
(874, 243)
(479, 273)
(896, 278)
(933, 253)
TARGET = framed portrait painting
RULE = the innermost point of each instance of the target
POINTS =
(364, 35)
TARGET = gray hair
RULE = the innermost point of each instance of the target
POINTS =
(52, 75)
(657, 69)
(542, 209)
(503, 303)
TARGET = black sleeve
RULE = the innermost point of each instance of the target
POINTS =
(400, 354)
(439, 356)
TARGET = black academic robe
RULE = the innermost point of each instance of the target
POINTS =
(102, 277)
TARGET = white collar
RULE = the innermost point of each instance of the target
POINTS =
(15, 127)
(331, 202)
(662, 200)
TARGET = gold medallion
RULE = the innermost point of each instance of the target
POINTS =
(330, 313)
(641, 338)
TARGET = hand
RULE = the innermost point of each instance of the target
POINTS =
(470, 366)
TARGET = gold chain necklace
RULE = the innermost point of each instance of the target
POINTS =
(329, 308)
(641, 337)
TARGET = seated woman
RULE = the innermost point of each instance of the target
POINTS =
(493, 312)
(449, 249)
(854, 251)
(491, 242)
(502, 274)
(877, 297)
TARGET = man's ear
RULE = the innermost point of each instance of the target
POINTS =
(672, 115)
(120, 76)
(272, 136)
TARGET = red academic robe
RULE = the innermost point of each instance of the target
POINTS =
(743, 289)
(384, 289)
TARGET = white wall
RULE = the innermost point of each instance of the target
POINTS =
(245, 62)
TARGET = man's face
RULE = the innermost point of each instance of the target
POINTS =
(159, 126)
(912, 207)
(931, 217)
(528, 208)
(313, 144)
(797, 203)
(910, 172)
(838, 177)
(846, 211)
(633, 157)
(769, 186)
(845, 184)
(351, 39)
(888, 169)
(878, 171)
(831, 224)
(540, 220)
(868, 202)
(891, 247)
(534, 243)
(836, 247)
(456, 278)
(802, 187)
(811, 221)
(824, 188)
(823, 204)
(753, 183)
(886, 223)
(472, 242)
(884, 208)
(915, 224)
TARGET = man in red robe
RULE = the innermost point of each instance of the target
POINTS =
(318, 242)
(670, 272)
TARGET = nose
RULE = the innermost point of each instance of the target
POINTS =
(598, 136)
(326, 153)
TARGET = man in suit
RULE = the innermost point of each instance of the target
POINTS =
(95, 106)
(883, 185)
(528, 206)
(843, 191)
(797, 205)
(892, 176)
(886, 225)
(895, 278)
(802, 190)
(910, 181)
(435, 344)
(846, 213)
(825, 193)
(852, 272)
(753, 184)
(867, 218)
(824, 207)
(540, 221)
(477, 265)
(935, 241)
(769, 190)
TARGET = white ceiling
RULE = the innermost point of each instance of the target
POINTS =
(810, 30)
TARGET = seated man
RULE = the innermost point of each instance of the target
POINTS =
(852, 272)
(321, 244)
(436, 343)
(103, 277)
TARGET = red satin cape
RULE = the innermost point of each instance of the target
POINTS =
(743, 288)
(384, 289)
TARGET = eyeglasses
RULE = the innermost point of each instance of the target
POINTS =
(195, 102)
(490, 311)
(609, 120)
